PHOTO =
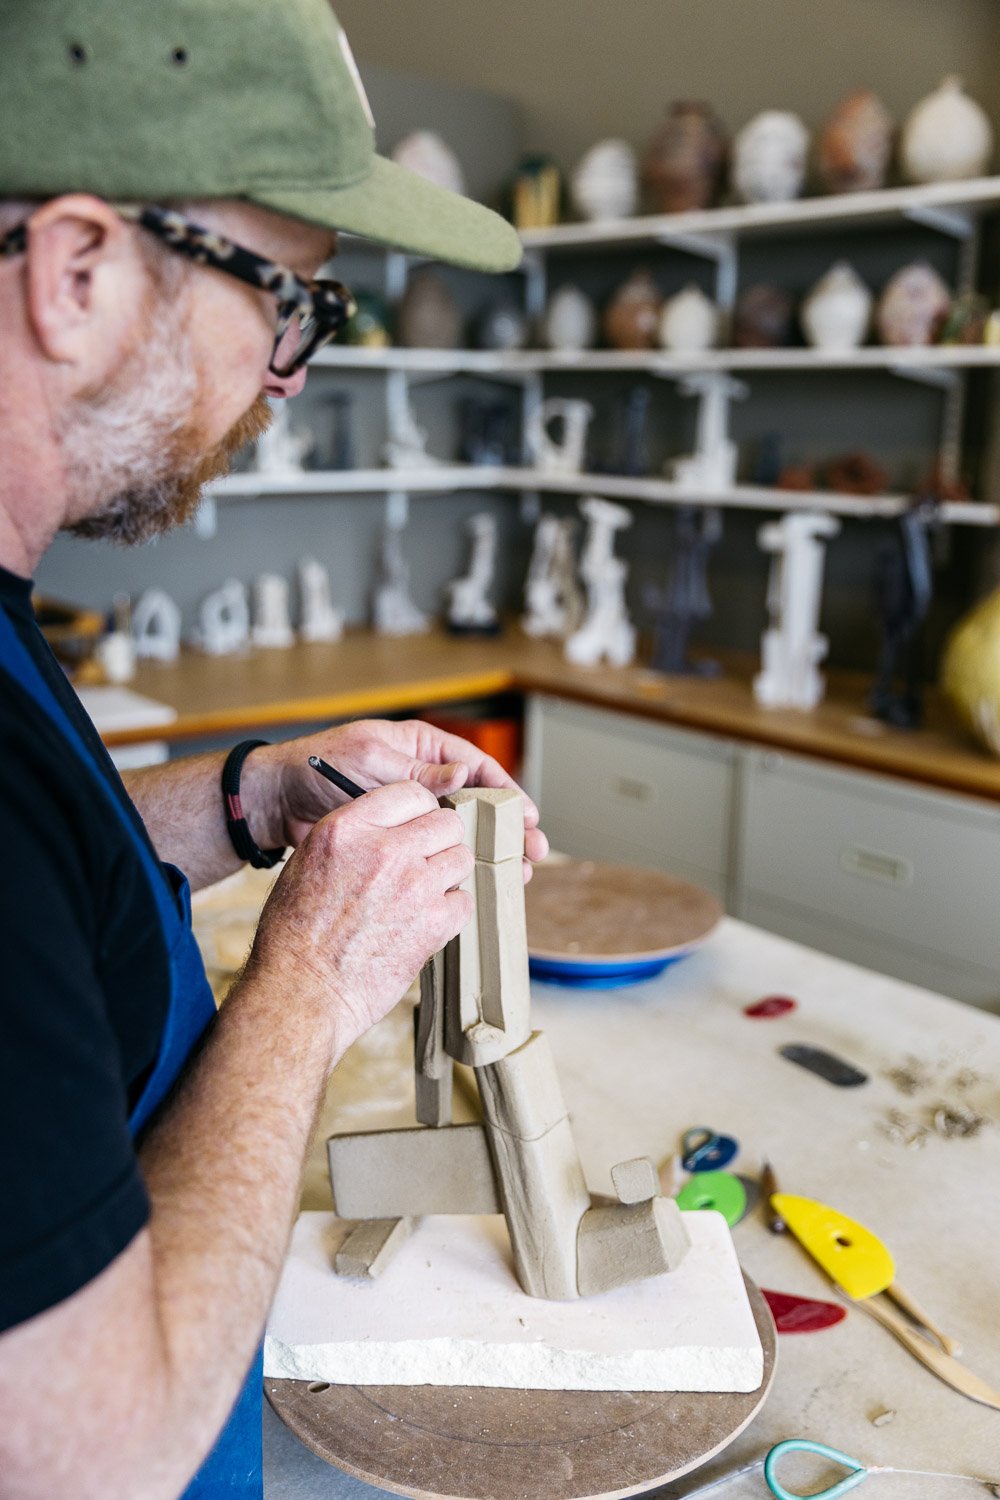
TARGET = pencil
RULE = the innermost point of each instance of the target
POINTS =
(337, 777)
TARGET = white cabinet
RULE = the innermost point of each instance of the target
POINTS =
(619, 788)
(890, 876)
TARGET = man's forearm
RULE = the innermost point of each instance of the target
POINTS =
(182, 807)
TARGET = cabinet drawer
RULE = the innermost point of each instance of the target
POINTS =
(618, 788)
(915, 867)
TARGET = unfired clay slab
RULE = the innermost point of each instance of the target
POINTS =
(448, 1311)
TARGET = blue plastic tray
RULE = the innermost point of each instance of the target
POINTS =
(613, 975)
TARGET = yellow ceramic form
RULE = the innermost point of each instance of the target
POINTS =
(970, 671)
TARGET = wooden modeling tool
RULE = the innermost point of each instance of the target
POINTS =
(769, 1187)
(857, 1262)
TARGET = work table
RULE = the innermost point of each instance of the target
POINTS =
(640, 1065)
(368, 674)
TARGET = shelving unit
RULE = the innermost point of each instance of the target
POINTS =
(951, 209)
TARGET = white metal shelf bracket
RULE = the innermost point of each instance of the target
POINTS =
(950, 221)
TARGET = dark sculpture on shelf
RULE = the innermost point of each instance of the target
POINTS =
(487, 432)
(904, 587)
(628, 452)
(685, 598)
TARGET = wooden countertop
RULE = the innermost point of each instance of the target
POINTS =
(369, 674)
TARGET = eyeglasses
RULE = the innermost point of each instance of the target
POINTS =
(320, 308)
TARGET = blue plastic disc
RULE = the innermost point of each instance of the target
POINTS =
(605, 976)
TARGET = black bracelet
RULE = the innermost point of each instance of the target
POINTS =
(239, 829)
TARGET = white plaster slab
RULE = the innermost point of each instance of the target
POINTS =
(448, 1311)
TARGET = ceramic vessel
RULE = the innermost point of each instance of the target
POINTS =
(769, 158)
(970, 671)
(763, 318)
(427, 154)
(855, 146)
(632, 317)
(837, 311)
(502, 326)
(428, 316)
(685, 161)
(913, 306)
(534, 193)
(946, 137)
(370, 326)
(605, 183)
(570, 322)
(689, 322)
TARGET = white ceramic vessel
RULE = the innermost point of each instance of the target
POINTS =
(570, 322)
(689, 322)
(769, 157)
(605, 182)
(427, 154)
(837, 312)
(948, 136)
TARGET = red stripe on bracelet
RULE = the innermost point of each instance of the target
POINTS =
(235, 806)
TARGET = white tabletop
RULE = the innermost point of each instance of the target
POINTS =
(640, 1065)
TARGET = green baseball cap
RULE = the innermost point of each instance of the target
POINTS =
(153, 100)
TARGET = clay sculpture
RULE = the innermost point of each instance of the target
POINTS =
(522, 1160)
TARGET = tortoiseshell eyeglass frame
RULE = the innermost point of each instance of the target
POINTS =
(322, 306)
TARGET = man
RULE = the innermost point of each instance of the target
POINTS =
(171, 177)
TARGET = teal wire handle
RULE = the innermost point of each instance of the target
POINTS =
(804, 1445)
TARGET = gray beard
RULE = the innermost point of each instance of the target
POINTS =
(129, 454)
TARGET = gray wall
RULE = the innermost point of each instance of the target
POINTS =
(574, 70)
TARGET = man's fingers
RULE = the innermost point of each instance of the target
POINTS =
(391, 806)
(452, 866)
(441, 829)
(536, 845)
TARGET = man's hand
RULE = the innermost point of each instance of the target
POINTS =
(367, 898)
(289, 797)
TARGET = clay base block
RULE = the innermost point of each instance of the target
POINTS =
(393, 1174)
(448, 1311)
(369, 1249)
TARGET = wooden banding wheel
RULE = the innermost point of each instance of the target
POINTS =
(474, 1443)
(588, 911)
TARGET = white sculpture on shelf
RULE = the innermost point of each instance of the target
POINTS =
(156, 626)
(570, 321)
(792, 648)
(469, 607)
(711, 469)
(280, 450)
(565, 456)
(320, 621)
(836, 314)
(223, 620)
(551, 593)
(607, 633)
(407, 444)
(271, 623)
(393, 611)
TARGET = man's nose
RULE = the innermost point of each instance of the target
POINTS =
(283, 387)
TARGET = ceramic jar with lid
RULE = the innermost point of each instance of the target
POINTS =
(428, 316)
(769, 158)
(946, 137)
(913, 306)
(685, 161)
(689, 322)
(836, 313)
(763, 318)
(605, 183)
(570, 322)
(855, 145)
(632, 317)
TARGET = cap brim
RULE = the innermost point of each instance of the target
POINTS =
(396, 207)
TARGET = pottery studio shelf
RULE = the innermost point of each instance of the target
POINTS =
(947, 206)
(441, 479)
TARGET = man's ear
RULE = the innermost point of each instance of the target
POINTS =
(85, 281)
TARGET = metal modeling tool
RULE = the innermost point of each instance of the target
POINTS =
(338, 778)
(857, 1473)
(704, 1150)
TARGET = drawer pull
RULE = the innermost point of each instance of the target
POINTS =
(632, 790)
(870, 865)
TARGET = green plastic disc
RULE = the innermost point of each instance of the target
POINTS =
(719, 1190)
